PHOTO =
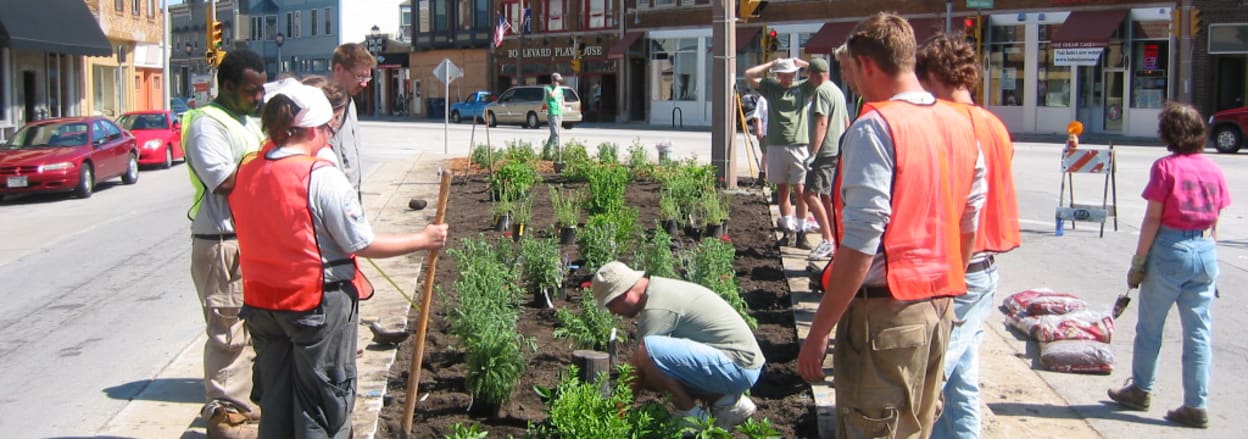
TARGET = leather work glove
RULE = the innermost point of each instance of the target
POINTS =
(1136, 274)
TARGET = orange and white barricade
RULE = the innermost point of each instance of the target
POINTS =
(1087, 161)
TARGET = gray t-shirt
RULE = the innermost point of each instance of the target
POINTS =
(829, 102)
(346, 144)
(867, 163)
(680, 309)
(341, 226)
(214, 154)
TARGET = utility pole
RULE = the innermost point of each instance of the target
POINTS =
(165, 47)
(723, 76)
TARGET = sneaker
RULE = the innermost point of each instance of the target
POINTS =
(692, 419)
(811, 225)
(802, 242)
(1131, 397)
(822, 251)
(730, 416)
(1189, 417)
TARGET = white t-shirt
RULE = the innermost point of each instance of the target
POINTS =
(760, 112)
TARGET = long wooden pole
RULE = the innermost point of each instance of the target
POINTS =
(426, 297)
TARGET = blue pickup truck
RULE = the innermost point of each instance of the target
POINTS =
(472, 107)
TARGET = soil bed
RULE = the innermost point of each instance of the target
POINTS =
(780, 394)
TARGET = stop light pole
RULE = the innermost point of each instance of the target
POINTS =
(723, 37)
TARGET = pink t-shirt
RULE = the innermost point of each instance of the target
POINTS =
(1191, 189)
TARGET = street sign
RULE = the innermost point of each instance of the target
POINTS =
(447, 71)
(979, 4)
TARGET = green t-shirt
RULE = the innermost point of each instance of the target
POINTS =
(786, 111)
(830, 102)
(554, 100)
(680, 309)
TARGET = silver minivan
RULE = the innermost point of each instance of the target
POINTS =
(526, 105)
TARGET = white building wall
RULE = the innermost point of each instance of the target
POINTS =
(357, 18)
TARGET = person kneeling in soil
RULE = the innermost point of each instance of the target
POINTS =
(694, 346)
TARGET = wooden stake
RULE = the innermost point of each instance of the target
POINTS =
(426, 297)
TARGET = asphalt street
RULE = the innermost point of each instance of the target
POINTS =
(99, 298)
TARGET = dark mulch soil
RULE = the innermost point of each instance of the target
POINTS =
(780, 394)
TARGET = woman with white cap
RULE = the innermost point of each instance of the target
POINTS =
(300, 227)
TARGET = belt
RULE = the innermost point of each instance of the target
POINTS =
(215, 236)
(981, 265)
(870, 292)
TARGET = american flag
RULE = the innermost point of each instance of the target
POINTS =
(500, 30)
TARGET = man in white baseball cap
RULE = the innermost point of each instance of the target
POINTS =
(787, 137)
(694, 346)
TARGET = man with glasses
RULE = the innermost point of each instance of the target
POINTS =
(352, 69)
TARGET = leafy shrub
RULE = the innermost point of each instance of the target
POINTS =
(591, 327)
(522, 208)
(763, 429)
(520, 151)
(567, 206)
(639, 160)
(542, 264)
(607, 184)
(655, 255)
(608, 153)
(495, 362)
(577, 159)
(597, 242)
(483, 156)
(713, 207)
(472, 431)
(514, 177)
(668, 208)
(577, 409)
(710, 265)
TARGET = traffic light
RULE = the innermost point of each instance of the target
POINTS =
(971, 30)
(576, 65)
(1194, 22)
(747, 9)
(214, 36)
(1176, 21)
(773, 43)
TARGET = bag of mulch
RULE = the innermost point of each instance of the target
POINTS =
(1077, 356)
(1042, 301)
(1078, 325)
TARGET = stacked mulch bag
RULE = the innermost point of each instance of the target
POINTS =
(1072, 338)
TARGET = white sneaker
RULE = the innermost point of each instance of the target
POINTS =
(811, 225)
(730, 416)
(822, 251)
(698, 415)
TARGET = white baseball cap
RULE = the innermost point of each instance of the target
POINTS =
(314, 107)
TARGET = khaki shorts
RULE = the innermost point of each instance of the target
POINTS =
(819, 177)
(786, 164)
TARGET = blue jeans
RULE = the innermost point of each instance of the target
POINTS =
(961, 418)
(702, 369)
(1182, 267)
(555, 123)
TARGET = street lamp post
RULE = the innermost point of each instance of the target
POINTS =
(375, 43)
(190, 67)
(280, 39)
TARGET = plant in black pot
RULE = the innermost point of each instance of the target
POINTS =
(567, 206)
(669, 214)
(714, 209)
(521, 214)
(502, 210)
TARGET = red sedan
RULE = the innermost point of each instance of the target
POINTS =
(1227, 129)
(158, 134)
(67, 155)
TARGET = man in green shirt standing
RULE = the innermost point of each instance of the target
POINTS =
(787, 137)
(554, 112)
(830, 120)
(694, 345)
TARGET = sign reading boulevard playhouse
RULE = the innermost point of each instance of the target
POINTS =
(1077, 53)
(547, 52)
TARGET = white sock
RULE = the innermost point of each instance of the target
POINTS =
(801, 225)
(789, 222)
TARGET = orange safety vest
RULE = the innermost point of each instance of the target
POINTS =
(278, 252)
(934, 165)
(998, 220)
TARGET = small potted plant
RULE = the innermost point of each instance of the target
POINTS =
(715, 214)
(669, 214)
(521, 214)
(502, 214)
(567, 206)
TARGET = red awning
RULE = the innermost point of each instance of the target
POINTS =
(829, 37)
(621, 47)
(1088, 28)
(744, 35)
(925, 28)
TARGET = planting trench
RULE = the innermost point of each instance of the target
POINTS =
(780, 394)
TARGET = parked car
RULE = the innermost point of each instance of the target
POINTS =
(179, 105)
(1227, 128)
(158, 134)
(67, 155)
(526, 105)
(472, 107)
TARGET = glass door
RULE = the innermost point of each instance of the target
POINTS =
(1090, 108)
(1114, 110)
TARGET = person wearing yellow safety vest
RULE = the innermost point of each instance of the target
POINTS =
(300, 229)
(216, 136)
(907, 200)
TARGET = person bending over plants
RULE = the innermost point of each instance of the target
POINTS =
(693, 345)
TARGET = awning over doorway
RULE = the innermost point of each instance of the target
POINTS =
(744, 35)
(57, 26)
(1088, 29)
(829, 37)
(621, 47)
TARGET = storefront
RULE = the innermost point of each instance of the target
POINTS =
(531, 60)
(1228, 56)
(1110, 69)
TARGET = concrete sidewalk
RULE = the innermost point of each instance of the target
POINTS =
(169, 407)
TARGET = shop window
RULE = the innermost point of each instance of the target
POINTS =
(290, 25)
(441, 16)
(314, 21)
(329, 20)
(422, 16)
(1052, 81)
(1228, 38)
(270, 26)
(1006, 54)
(135, 6)
(1149, 73)
(675, 64)
(119, 5)
(514, 14)
(482, 14)
(151, 8)
(664, 3)
(554, 15)
(298, 32)
(599, 14)
(464, 12)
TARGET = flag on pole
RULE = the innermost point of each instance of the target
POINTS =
(500, 30)
(528, 20)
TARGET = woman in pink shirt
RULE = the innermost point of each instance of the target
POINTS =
(1176, 263)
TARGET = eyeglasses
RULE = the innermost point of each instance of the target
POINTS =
(365, 77)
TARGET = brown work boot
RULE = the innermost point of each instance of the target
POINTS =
(228, 423)
(1189, 417)
(1131, 397)
(802, 242)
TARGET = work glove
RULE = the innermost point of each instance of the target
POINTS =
(1136, 274)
